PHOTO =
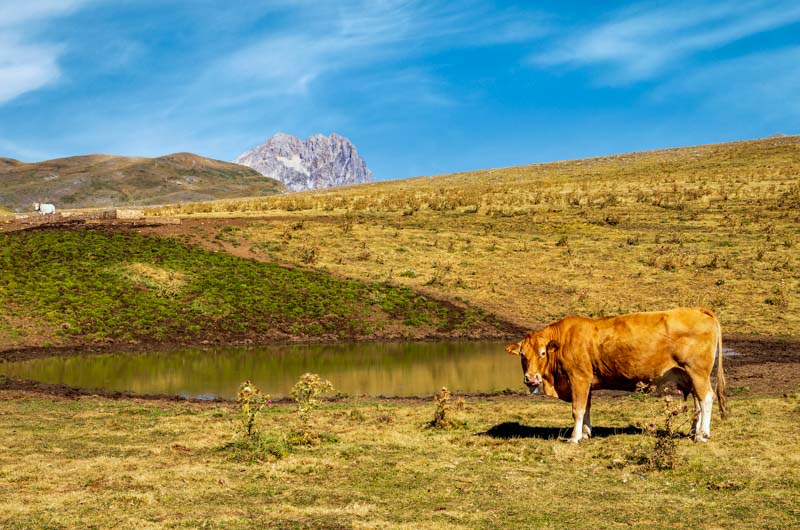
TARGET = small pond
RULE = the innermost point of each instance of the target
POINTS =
(390, 369)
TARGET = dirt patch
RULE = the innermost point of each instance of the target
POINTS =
(759, 366)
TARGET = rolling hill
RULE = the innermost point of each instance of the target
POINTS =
(714, 225)
(105, 180)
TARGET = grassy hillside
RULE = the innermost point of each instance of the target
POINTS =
(104, 180)
(88, 286)
(715, 225)
(133, 464)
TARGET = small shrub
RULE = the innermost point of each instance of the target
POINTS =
(309, 255)
(252, 402)
(306, 393)
(562, 241)
(663, 454)
(252, 445)
(443, 415)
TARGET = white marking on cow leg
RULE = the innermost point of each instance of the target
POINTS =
(701, 389)
(579, 409)
(704, 422)
(707, 404)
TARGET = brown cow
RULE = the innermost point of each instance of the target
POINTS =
(576, 355)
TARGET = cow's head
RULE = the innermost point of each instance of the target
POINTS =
(533, 351)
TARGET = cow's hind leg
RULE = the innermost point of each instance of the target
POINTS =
(707, 404)
(696, 427)
(701, 390)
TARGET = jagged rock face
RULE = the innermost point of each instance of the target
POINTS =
(319, 162)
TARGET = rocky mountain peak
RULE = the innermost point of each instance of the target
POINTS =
(319, 162)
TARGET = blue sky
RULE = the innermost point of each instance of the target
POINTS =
(421, 87)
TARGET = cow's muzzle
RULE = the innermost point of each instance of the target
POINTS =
(533, 382)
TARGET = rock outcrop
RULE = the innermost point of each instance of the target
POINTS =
(319, 162)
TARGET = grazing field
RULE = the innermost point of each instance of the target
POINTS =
(93, 462)
(72, 287)
(714, 225)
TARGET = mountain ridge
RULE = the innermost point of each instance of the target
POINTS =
(318, 162)
(102, 180)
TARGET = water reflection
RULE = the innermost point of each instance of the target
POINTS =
(394, 369)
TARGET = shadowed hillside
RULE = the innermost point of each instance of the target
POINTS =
(105, 180)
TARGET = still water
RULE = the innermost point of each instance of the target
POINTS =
(391, 369)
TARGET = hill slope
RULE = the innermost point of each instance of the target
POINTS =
(91, 286)
(105, 180)
(713, 225)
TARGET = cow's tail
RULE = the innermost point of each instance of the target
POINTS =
(721, 397)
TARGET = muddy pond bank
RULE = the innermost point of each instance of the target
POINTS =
(755, 366)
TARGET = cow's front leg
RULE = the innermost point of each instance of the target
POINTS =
(587, 417)
(580, 399)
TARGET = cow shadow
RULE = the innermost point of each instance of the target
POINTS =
(513, 429)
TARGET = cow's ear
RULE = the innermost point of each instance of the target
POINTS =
(513, 348)
(552, 347)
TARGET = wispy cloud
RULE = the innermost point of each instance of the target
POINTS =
(29, 61)
(646, 41)
(347, 36)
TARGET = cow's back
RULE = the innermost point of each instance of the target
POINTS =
(643, 346)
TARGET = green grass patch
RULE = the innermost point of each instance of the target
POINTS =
(98, 286)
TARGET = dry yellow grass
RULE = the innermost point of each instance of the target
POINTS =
(125, 464)
(711, 225)
(163, 280)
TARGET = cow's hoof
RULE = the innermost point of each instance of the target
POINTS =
(701, 439)
(573, 440)
(587, 431)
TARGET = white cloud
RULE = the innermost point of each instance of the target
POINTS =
(13, 13)
(349, 35)
(646, 41)
(27, 65)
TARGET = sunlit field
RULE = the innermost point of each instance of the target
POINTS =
(378, 464)
(713, 225)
